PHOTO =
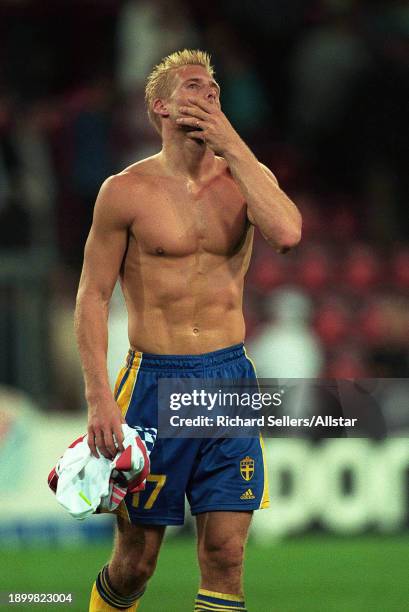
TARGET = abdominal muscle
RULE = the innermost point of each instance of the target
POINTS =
(184, 305)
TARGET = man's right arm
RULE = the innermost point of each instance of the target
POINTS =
(104, 252)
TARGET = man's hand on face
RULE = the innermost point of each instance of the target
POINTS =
(210, 125)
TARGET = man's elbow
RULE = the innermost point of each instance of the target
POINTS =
(293, 237)
(288, 239)
(93, 296)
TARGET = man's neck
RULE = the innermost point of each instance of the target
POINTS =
(187, 157)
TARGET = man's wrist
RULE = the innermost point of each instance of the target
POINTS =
(98, 395)
(236, 153)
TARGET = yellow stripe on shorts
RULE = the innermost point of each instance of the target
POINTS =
(265, 500)
(123, 401)
(124, 398)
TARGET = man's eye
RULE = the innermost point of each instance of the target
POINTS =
(192, 85)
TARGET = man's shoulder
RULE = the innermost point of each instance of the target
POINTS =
(140, 171)
(121, 194)
(136, 175)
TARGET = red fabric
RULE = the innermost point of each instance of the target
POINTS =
(138, 483)
(124, 462)
(77, 441)
(53, 480)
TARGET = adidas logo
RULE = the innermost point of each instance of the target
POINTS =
(248, 495)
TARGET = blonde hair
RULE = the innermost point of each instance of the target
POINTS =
(159, 81)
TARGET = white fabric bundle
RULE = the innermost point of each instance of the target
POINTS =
(85, 484)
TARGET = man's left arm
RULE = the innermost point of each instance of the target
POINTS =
(269, 208)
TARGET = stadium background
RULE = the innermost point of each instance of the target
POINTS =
(319, 90)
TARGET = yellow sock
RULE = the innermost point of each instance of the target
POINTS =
(104, 598)
(218, 602)
(97, 604)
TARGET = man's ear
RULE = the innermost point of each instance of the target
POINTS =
(160, 107)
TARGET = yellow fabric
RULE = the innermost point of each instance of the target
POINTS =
(119, 379)
(123, 401)
(124, 398)
(97, 604)
(265, 500)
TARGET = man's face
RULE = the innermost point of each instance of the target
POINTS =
(192, 82)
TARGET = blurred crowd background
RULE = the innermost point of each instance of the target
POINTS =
(317, 88)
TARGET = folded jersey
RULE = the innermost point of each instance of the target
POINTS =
(86, 485)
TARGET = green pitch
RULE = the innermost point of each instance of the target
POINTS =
(311, 574)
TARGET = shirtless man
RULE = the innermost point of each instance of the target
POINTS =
(177, 228)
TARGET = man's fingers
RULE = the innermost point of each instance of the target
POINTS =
(100, 443)
(194, 111)
(91, 443)
(206, 106)
(110, 445)
(110, 437)
(193, 121)
(119, 437)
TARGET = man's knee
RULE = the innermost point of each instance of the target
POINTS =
(137, 567)
(145, 566)
(222, 555)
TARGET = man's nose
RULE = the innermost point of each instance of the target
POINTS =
(211, 96)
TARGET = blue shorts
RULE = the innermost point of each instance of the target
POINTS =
(215, 474)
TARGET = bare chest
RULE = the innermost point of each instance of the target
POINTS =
(177, 220)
